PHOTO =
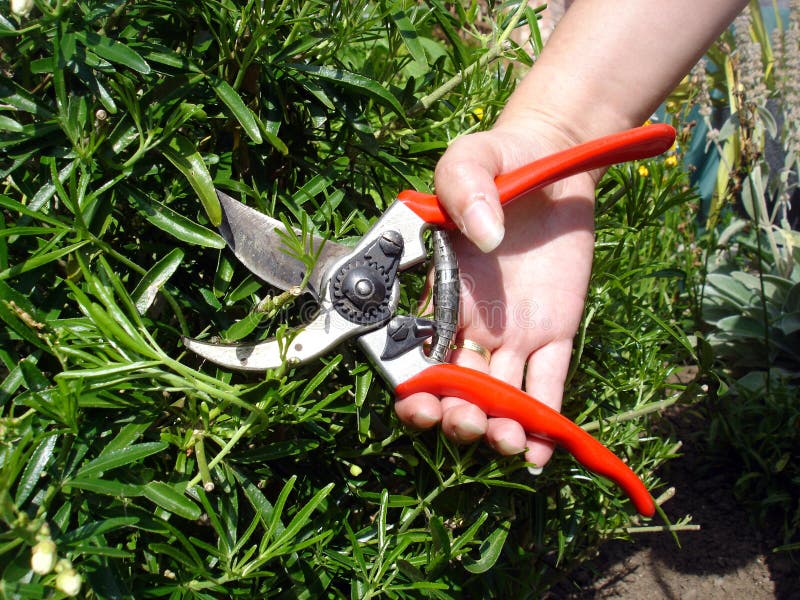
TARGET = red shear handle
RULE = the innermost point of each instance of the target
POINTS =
(499, 399)
(638, 143)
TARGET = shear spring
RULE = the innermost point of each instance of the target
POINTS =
(446, 295)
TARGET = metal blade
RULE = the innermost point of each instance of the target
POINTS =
(327, 330)
(259, 242)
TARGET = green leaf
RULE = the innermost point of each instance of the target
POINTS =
(729, 288)
(180, 227)
(34, 468)
(789, 323)
(490, 550)
(105, 487)
(145, 292)
(19, 98)
(41, 260)
(353, 81)
(243, 327)
(409, 34)
(9, 124)
(302, 518)
(97, 528)
(171, 500)
(120, 458)
(113, 51)
(233, 101)
(742, 326)
(183, 154)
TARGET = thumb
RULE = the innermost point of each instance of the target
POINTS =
(464, 181)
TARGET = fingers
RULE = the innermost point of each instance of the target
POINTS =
(506, 436)
(544, 380)
(420, 411)
(464, 183)
(463, 422)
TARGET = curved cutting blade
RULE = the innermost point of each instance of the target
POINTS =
(259, 242)
(323, 333)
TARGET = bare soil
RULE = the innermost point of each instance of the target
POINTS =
(729, 558)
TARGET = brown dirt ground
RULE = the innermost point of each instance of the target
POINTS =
(728, 559)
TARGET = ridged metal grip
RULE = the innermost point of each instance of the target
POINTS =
(446, 295)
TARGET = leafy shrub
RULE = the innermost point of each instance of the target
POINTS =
(751, 294)
(156, 475)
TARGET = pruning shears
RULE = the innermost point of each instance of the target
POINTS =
(358, 290)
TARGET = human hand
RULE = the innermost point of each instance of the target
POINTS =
(523, 301)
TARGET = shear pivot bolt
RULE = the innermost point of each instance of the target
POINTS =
(364, 288)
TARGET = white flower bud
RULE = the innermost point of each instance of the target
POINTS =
(69, 582)
(21, 7)
(43, 557)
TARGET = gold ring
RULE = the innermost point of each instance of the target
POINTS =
(468, 344)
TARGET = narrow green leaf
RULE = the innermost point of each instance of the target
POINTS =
(315, 381)
(126, 436)
(113, 51)
(121, 457)
(180, 227)
(39, 261)
(274, 524)
(243, 327)
(258, 501)
(183, 154)
(302, 518)
(113, 369)
(19, 98)
(9, 124)
(97, 528)
(34, 468)
(355, 82)
(439, 537)
(171, 500)
(145, 292)
(105, 487)
(234, 102)
(490, 550)
(409, 35)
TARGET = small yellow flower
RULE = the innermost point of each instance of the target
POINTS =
(478, 113)
(643, 171)
(355, 470)
(671, 161)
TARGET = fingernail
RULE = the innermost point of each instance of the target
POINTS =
(467, 431)
(424, 420)
(535, 471)
(507, 449)
(482, 225)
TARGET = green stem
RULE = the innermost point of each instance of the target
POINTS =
(226, 449)
(631, 414)
(655, 528)
(426, 102)
(409, 518)
(448, 86)
(202, 464)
